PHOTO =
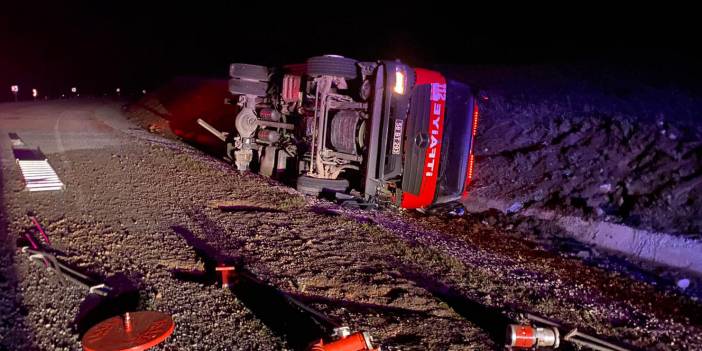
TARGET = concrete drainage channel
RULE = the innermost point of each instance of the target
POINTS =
(645, 248)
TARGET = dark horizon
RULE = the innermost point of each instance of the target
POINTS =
(100, 47)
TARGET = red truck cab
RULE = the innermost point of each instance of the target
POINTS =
(433, 127)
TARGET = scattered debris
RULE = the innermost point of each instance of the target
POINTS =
(584, 254)
(515, 207)
(457, 212)
(448, 209)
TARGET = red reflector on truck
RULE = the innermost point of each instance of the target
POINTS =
(469, 176)
(475, 117)
(470, 167)
(291, 88)
(471, 158)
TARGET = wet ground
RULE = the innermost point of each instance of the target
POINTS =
(137, 212)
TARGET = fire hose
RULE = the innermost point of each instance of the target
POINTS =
(342, 337)
(135, 330)
(345, 341)
(65, 273)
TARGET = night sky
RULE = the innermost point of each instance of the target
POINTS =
(131, 45)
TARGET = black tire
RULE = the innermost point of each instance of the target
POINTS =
(247, 87)
(314, 186)
(332, 66)
(246, 71)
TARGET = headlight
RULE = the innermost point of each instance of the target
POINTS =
(399, 81)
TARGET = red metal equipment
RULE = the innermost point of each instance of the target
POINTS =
(226, 272)
(548, 336)
(359, 341)
(133, 331)
(526, 337)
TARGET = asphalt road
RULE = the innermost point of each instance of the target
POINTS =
(136, 213)
(60, 126)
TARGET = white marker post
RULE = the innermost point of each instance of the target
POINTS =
(15, 91)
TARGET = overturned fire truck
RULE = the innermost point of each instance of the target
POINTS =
(386, 132)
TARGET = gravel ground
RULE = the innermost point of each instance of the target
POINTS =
(137, 214)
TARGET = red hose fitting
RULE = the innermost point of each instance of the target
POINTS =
(227, 272)
(526, 337)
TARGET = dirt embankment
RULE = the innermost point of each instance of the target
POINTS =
(619, 150)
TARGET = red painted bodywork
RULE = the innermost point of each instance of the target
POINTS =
(184, 100)
(353, 342)
(430, 170)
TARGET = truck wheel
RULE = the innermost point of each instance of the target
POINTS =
(250, 72)
(332, 66)
(247, 87)
(314, 186)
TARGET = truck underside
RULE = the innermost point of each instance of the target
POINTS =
(383, 131)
